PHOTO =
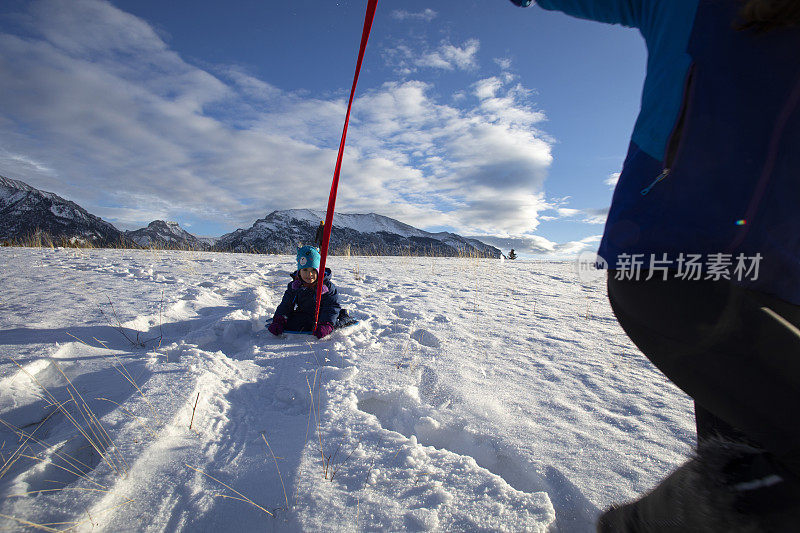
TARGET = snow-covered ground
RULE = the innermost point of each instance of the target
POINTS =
(473, 395)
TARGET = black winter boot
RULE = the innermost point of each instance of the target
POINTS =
(727, 488)
(344, 319)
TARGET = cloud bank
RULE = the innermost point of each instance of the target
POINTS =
(526, 246)
(96, 106)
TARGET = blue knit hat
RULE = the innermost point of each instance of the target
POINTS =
(308, 257)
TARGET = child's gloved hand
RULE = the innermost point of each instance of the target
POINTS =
(323, 330)
(278, 323)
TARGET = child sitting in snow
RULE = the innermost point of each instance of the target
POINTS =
(296, 310)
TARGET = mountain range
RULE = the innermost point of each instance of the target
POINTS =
(167, 234)
(359, 234)
(27, 214)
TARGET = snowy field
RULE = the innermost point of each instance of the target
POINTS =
(140, 391)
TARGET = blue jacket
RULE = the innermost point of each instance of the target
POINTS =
(301, 300)
(713, 165)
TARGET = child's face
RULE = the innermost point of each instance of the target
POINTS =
(309, 275)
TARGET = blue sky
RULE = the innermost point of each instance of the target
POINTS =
(473, 116)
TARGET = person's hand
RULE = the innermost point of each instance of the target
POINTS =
(323, 330)
(278, 323)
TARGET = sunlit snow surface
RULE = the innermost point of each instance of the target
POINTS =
(473, 395)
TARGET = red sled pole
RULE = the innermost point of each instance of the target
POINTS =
(368, 18)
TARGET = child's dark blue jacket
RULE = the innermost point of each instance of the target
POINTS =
(301, 301)
(714, 161)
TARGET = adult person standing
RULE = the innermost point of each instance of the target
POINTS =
(703, 246)
(320, 234)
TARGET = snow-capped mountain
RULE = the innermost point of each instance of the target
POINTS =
(26, 211)
(166, 234)
(283, 231)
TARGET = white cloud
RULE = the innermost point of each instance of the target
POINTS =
(503, 106)
(557, 210)
(612, 179)
(503, 62)
(426, 15)
(595, 215)
(133, 132)
(521, 244)
(487, 88)
(452, 57)
(20, 164)
(250, 86)
(538, 246)
(565, 212)
(575, 247)
(488, 171)
(447, 56)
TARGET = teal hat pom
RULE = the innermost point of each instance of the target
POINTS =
(308, 257)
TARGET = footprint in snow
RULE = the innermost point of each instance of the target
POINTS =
(435, 393)
(426, 338)
(401, 312)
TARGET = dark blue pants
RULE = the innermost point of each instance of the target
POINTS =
(735, 351)
(305, 322)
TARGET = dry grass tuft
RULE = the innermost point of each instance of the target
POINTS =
(241, 498)
(90, 428)
(278, 469)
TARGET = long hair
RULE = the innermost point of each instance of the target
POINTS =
(766, 15)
